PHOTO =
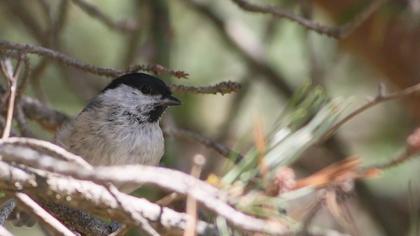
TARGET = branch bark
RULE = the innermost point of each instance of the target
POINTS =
(172, 180)
(90, 196)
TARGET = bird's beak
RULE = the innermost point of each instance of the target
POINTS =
(170, 101)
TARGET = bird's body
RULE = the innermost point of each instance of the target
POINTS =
(120, 126)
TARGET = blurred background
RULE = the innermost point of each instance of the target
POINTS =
(215, 41)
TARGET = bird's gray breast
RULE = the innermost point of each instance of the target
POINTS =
(116, 141)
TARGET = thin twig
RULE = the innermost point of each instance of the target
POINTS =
(411, 150)
(335, 32)
(198, 163)
(70, 61)
(61, 57)
(32, 207)
(12, 78)
(403, 157)
(222, 88)
(379, 98)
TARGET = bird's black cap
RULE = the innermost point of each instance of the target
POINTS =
(147, 84)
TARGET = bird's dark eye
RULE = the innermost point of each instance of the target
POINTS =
(145, 90)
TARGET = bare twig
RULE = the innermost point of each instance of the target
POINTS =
(95, 12)
(32, 207)
(379, 98)
(11, 76)
(199, 161)
(70, 61)
(338, 33)
(63, 58)
(412, 148)
(222, 88)
(403, 157)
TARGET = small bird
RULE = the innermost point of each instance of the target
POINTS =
(120, 126)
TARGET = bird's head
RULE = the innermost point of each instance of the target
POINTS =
(140, 95)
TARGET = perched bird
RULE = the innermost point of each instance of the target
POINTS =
(120, 126)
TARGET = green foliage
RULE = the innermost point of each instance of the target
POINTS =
(306, 118)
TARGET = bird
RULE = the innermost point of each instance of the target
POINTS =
(120, 126)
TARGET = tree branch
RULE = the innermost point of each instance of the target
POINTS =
(171, 180)
(11, 76)
(70, 61)
(89, 196)
(334, 32)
